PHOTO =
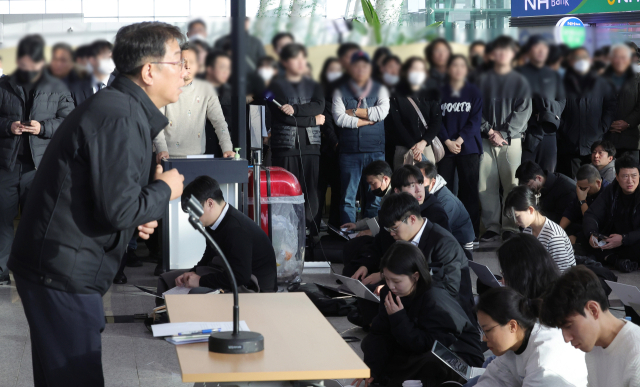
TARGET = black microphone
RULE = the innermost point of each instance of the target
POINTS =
(225, 342)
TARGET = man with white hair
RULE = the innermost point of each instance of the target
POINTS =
(624, 132)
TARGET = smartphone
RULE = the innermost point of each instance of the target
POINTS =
(600, 236)
(351, 339)
(26, 123)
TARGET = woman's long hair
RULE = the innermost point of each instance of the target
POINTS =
(404, 258)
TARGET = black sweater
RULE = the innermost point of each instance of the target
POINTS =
(403, 121)
(556, 195)
(432, 315)
(248, 250)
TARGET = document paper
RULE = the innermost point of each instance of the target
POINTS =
(173, 329)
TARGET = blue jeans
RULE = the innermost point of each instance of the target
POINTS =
(351, 166)
(133, 242)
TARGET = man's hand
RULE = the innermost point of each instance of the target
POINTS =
(161, 156)
(496, 139)
(188, 280)
(362, 122)
(357, 382)
(33, 128)
(348, 226)
(147, 229)
(16, 128)
(287, 109)
(619, 126)
(364, 233)
(228, 154)
(582, 195)
(373, 278)
(390, 304)
(174, 180)
(320, 119)
(361, 273)
(593, 241)
(614, 240)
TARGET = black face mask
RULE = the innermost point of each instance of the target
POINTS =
(27, 76)
(476, 61)
(378, 192)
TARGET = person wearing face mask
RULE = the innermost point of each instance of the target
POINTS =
(102, 66)
(624, 132)
(437, 54)
(390, 71)
(589, 112)
(528, 353)
(477, 53)
(34, 104)
(267, 69)
(379, 55)
(405, 124)
(197, 30)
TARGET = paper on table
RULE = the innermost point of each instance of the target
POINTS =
(172, 329)
(200, 156)
(177, 290)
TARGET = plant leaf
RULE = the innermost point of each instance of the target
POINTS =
(368, 11)
(434, 25)
(359, 27)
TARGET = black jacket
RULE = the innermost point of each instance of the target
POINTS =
(628, 110)
(51, 104)
(248, 250)
(590, 109)
(403, 122)
(91, 192)
(82, 89)
(547, 99)
(556, 195)
(426, 317)
(601, 215)
(432, 209)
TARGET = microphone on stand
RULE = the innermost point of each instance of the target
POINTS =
(234, 342)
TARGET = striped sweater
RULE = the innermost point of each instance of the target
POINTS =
(557, 243)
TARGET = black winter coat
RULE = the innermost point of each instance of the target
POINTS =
(91, 192)
(590, 109)
(403, 122)
(51, 104)
(628, 110)
(601, 215)
(556, 195)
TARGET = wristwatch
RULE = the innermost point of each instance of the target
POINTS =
(354, 112)
(582, 202)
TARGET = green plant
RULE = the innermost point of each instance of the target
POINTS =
(371, 16)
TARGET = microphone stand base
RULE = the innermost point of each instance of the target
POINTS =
(243, 342)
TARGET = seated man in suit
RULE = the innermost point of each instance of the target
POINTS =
(247, 248)
(102, 67)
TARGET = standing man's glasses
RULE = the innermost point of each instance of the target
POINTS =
(181, 63)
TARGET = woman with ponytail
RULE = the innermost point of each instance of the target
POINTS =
(528, 354)
(522, 205)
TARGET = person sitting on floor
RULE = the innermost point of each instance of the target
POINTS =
(616, 213)
(378, 176)
(247, 248)
(459, 220)
(577, 304)
(556, 189)
(603, 155)
(413, 313)
(528, 353)
(522, 205)
(588, 187)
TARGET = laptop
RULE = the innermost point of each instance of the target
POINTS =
(628, 294)
(346, 235)
(350, 286)
(454, 362)
(485, 275)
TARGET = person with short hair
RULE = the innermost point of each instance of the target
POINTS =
(197, 30)
(267, 69)
(528, 353)
(437, 54)
(616, 213)
(589, 185)
(414, 312)
(522, 206)
(577, 304)
(555, 189)
(476, 53)
(62, 66)
(459, 220)
(506, 99)
(603, 155)
(92, 190)
(254, 48)
(102, 65)
(217, 72)
(280, 40)
(246, 247)
(378, 176)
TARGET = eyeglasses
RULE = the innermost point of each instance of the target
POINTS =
(395, 229)
(181, 63)
(484, 333)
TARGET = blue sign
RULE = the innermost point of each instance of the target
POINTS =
(521, 8)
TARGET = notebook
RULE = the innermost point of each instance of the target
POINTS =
(454, 362)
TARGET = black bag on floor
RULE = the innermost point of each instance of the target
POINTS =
(602, 272)
(329, 307)
(329, 248)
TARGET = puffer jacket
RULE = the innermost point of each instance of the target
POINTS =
(52, 103)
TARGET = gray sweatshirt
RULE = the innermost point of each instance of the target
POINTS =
(608, 173)
(506, 103)
(185, 133)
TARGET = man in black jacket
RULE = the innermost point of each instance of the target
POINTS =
(547, 101)
(91, 193)
(32, 106)
(555, 189)
(616, 213)
(590, 109)
(247, 248)
(102, 65)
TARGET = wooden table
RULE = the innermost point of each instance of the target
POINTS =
(299, 342)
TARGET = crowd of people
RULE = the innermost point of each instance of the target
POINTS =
(535, 145)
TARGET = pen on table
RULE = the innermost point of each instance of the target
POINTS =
(202, 332)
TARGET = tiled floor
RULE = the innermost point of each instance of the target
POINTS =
(131, 356)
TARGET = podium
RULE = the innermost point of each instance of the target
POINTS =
(182, 245)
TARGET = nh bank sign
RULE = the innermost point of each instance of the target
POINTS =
(520, 8)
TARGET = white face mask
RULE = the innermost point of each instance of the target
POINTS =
(88, 68)
(266, 73)
(635, 67)
(390, 79)
(333, 75)
(416, 78)
(0, 72)
(582, 66)
(195, 37)
(106, 66)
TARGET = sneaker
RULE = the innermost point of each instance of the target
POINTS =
(132, 258)
(507, 235)
(489, 236)
(5, 278)
(120, 278)
(625, 265)
(476, 243)
(159, 269)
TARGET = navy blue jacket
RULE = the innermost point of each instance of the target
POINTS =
(461, 117)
